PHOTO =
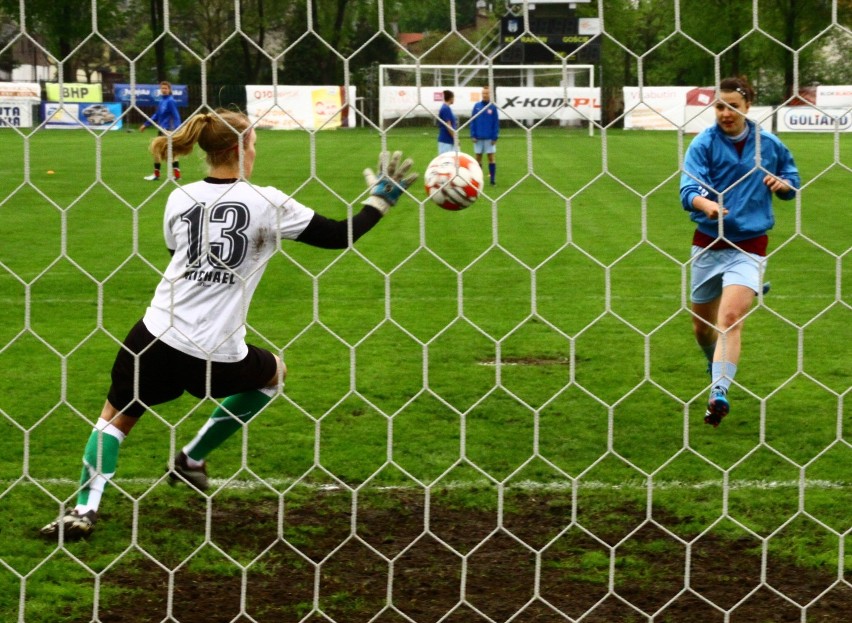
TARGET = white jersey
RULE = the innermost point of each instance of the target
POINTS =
(223, 235)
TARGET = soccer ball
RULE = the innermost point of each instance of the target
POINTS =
(453, 180)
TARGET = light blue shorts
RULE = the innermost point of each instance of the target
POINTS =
(484, 146)
(445, 147)
(714, 270)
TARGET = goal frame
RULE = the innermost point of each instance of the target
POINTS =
(527, 74)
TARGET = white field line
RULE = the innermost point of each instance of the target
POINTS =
(526, 485)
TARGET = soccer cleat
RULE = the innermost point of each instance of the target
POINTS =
(767, 285)
(194, 476)
(152, 178)
(177, 174)
(74, 526)
(717, 407)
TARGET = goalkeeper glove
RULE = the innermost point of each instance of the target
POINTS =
(394, 178)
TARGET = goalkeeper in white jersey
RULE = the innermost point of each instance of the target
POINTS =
(221, 232)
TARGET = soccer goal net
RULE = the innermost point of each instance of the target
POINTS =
(491, 415)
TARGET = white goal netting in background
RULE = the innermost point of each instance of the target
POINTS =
(579, 474)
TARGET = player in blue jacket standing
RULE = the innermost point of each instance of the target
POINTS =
(447, 124)
(485, 130)
(727, 188)
(167, 118)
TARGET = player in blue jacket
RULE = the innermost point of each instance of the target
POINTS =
(167, 118)
(447, 124)
(485, 130)
(727, 189)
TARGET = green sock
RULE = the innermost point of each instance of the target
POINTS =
(93, 481)
(225, 421)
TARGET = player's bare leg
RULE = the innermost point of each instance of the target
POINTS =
(734, 304)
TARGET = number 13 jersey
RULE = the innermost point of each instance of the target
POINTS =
(222, 234)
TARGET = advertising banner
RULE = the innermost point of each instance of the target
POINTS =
(397, 102)
(655, 108)
(569, 104)
(75, 116)
(74, 92)
(149, 94)
(299, 107)
(17, 102)
(834, 96)
(810, 119)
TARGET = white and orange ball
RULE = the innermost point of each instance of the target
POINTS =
(453, 180)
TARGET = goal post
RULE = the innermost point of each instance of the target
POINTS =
(564, 95)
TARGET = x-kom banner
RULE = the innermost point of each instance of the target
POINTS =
(299, 107)
(570, 104)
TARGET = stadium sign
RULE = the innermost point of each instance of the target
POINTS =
(17, 100)
(74, 92)
(149, 94)
(548, 39)
(808, 119)
(569, 104)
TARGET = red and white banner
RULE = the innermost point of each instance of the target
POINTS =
(300, 107)
(17, 102)
(834, 96)
(405, 102)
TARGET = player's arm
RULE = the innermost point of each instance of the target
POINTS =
(786, 180)
(692, 180)
(328, 233)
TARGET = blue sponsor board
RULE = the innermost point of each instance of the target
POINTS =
(149, 94)
(70, 116)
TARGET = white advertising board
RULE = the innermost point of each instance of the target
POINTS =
(839, 96)
(17, 101)
(811, 119)
(654, 108)
(569, 104)
(299, 107)
(402, 101)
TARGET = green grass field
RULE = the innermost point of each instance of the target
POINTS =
(527, 364)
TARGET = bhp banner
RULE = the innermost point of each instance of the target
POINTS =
(299, 107)
(74, 92)
(17, 100)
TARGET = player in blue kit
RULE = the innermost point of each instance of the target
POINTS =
(727, 188)
(221, 231)
(167, 118)
(447, 124)
(484, 131)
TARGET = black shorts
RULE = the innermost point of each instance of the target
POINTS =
(165, 373)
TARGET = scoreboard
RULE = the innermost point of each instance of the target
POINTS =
(549, 39)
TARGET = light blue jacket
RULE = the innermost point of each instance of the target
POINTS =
(713, 169)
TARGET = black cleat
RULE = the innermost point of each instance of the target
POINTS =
(193, 476)
(74, 526)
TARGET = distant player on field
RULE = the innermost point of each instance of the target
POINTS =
(727, 189)
(167, 118)
(221, 231)
(485, 130)
(447, 124)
